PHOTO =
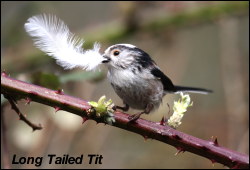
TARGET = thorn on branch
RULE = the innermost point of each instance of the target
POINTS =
(59, 91)
(28, 100)
(214, 141)
(179, 150)
(4, 74)
(164, 118)
(163, 121)
(213, 161)
(84, 119)
(145, 137)
(57, 109)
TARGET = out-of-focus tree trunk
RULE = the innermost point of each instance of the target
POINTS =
(233, 83)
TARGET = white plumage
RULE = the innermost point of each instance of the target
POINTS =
(53, 37)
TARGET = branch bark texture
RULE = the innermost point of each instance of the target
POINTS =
(183, 142)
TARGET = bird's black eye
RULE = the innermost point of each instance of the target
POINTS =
(116, 53)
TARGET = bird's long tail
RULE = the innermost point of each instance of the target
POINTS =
(192, 90)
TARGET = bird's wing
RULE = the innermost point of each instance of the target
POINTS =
(167, 83)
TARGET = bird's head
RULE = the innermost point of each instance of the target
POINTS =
(121, 56)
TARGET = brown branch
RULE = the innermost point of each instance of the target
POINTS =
(183, 142)
(19, 113)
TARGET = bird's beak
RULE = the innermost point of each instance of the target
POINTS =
(106, 59)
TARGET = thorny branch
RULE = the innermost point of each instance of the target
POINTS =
(183, 142)
(21, 116)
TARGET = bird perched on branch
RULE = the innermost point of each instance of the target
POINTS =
(137, 80)
(135, 77)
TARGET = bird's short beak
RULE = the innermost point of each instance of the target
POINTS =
(106, 60)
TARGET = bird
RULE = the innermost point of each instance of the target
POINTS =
(133, 74)
(138, 81)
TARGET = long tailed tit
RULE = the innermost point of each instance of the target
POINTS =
(135, 77)
(137, 80)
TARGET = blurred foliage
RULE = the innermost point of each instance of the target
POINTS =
(184, 37)
(52, 81)
(112, 33)
(33, 61)
(11, 28)
(116, 34)
(82, 76)
(202, 15)
(47, 80)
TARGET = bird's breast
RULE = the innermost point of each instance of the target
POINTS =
(135, 90)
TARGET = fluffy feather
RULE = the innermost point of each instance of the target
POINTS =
(53, 37)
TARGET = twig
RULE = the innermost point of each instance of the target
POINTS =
(148, 129)
(21, 116)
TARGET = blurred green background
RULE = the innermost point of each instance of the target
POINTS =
(202, 44)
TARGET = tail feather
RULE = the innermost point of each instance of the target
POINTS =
(192, 90)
